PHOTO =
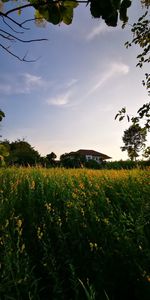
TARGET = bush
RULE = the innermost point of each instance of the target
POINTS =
(126, 165)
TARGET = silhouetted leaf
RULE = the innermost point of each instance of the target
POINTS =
(128, 118)
(116, 116)
(121, 118)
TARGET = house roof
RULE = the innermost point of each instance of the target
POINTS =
(93, 153)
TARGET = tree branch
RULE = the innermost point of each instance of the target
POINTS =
(12, 25)
(21, 32)
(18, 8)
(12, 20)
(16, 56)
(6, 37)
(20, 40)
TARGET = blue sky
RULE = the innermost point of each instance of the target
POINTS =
(68, 98)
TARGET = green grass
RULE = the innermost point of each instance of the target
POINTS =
(61, 228)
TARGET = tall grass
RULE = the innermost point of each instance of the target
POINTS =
(61, 228)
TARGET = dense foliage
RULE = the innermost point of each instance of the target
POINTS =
(18, 153)
(59, 11)
(62, 230)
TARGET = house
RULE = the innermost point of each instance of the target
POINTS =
(90, 155)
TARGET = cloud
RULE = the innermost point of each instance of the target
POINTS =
(114, 70)
(71, 82)
(32, 81)
(63, 93)
(65, 84)
(22, 84)
(101, 29)
(60, 100)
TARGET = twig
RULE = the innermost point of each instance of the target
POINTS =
(18, 8)
(21, 32)
(16, 56)
(23, 41)
(6, 37)
(12, 20)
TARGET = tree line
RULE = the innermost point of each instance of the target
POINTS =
(21, 153)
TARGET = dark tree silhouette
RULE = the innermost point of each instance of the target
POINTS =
(134, 139)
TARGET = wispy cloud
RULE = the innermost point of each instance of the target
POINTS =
(63, 93)
(101, 29)
(60, 85)
(33, 81)
(22, 84)
(71, 82)
(114, 70)
(60, 100)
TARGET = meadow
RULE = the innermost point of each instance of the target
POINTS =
(74, 234)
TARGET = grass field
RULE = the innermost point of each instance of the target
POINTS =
(74, 234)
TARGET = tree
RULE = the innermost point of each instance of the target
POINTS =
(141, 37)
(21, 153)
(55, 12)
(72, 160)
(134, 139)
(93, 164)
(50, 158)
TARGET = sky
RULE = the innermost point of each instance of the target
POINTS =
(68, 98)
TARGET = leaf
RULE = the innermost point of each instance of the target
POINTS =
(44, 13)
(121, 118)
(128, 118)
(123, 10)
(55, 16)
(123, 110)
(95, 8)
(67, 15)
(116, 116)
(39, 20)
(112, 20)
(72, 4)
(19, 12)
